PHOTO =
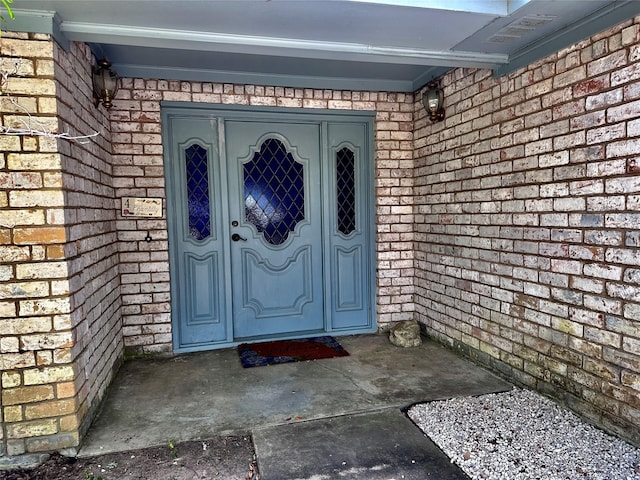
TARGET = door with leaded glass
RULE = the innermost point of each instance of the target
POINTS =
(271, 225)
(275, 211)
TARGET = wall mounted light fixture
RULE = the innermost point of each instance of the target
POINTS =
(105, 84)
(433, 101)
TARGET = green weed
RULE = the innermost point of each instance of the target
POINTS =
(173, 448)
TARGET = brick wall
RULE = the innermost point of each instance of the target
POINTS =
(91, 250)
(59, 305)
(527, 216)
(138, 171)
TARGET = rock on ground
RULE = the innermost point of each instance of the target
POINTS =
(406, 334)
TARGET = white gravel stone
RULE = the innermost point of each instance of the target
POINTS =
(521, 435)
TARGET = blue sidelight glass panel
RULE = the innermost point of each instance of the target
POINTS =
(274, 191)
(198, 192)
(346, 190)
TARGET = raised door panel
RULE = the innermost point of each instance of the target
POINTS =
(203, 272)
(349, 288)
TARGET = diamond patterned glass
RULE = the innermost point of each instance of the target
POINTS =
(346, 190)
(274, 191)
(198, 192)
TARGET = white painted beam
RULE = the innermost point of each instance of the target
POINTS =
(244, 44)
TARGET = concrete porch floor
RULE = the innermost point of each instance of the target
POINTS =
(199, 395)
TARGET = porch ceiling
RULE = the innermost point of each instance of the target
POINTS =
(394, 45)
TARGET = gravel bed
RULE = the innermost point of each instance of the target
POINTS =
(521, 435)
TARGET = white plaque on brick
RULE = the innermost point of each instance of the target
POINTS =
(141, 207)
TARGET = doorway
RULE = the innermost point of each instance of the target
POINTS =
(270, 216)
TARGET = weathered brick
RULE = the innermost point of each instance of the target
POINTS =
(602, 237)
(33, 161)
(31, 86)
(50, 409)
(46, 375)
(18, 326)
(602, 337)
(623, 112)
(606, 134)
(610, 272)
(624, 75)
(632, 311)
(567, 326)
(623, 359)
(604, 99)
(631, 345)
(585, 347)
(25, 48)
(15, 360)
(610, 62)
(34, 428)
(11, 379)
(22, 217)
(49, 443)
(47, 341)
(12, 414)
(622, 256)
(631, 379)
(24, 290)
(39, 235)
(22, 395)
(42, 270)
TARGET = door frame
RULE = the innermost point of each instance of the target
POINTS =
(184, 110)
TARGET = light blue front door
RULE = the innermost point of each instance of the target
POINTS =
(270, 216)
(276, 223)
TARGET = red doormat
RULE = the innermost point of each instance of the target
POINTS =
(286, 351)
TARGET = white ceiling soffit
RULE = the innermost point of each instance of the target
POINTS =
(394, 45)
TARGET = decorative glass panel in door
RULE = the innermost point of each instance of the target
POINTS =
(275, 222)
(198, 192)
(346, 190)
(273, 192)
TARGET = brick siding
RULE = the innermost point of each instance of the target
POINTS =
(527, 213)
(60, 333)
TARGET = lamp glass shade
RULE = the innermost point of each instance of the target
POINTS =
(105, 83)
(433, 101)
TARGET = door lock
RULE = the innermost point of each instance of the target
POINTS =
(237, 237)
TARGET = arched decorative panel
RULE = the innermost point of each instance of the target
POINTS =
(274, 191)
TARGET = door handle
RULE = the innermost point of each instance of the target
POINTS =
(236, 238)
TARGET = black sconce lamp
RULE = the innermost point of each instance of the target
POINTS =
(105, 84)
(433, 101)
